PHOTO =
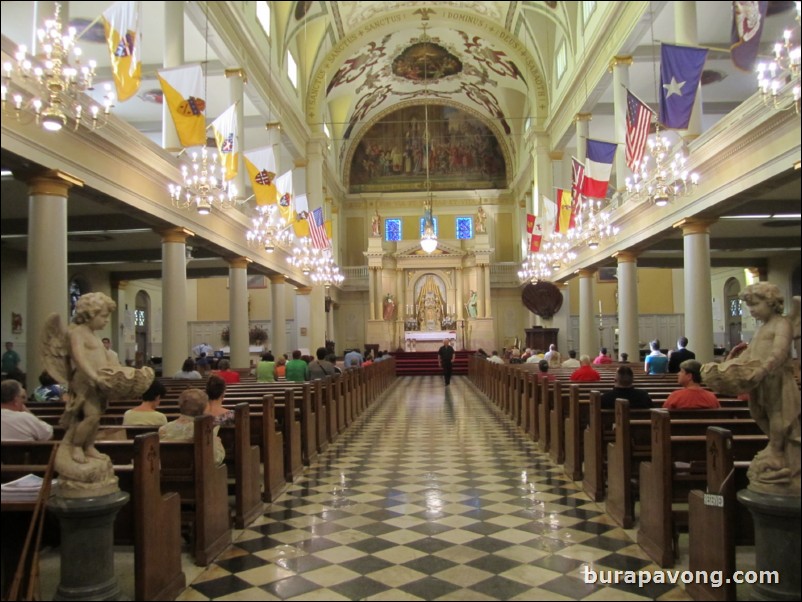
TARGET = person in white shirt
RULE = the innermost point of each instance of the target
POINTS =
(495, 358)
(17, 423)
(110, 352)
(572, 362)
(552, 356)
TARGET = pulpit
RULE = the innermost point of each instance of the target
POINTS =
(541, 338)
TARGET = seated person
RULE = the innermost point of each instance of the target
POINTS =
(17, 423)
(266, 369)
(48, 389)
(203, 363)
(321, 367)
(657, 361)
(623, 389)
(603, 358)
(146, 414)
(585, 373)
(624, 358)
(553, 356)
(188, 371)
(216, 391)
(297, 369)
(571, 362)
(692, 396)
(281, 367)
(191, 403)
(226, 373)
(494, 357)
(543, 374)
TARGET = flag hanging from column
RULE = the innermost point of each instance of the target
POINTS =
(748, 18)
(537, 235)
(639, 118)
(285, 200)
(183, 91)
(317, 229)
(565, 208)
(577, 182)
(260, 164)
(300, 224)
(124, 38)
(680, 72)
(598, 166)
(225, 134)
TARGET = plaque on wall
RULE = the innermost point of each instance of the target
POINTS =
(543, 299)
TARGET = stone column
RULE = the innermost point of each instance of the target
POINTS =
(47, 261)
(620, 66)
(314, 171)
(588, 333)
(698, 290)
(377, 290)
(628, 336)
(582, 121)
(329, 317)
(687, 34)
(278, 320)
(460, 296)
(317, 322)
(236, 81)
(173, 36)
(372, 292)
(175, 343)
(488, 309)
(303, 315)
(238, 322)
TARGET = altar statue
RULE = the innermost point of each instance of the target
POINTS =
(388, 307)
(430, 305)
(765, 370)
(376, 224)
(473, 305)
(481, 218)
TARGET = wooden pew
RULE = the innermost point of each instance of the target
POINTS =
(677, 463)
(150, 521)
(717, 525)
(243, 459)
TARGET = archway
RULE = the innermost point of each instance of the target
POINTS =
(733, 304)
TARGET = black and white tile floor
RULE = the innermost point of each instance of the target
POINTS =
(431, 495)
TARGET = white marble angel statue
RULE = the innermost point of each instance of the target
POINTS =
(78, 357)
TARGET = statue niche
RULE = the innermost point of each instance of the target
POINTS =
(430, 306)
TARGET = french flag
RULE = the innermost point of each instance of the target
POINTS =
(598, 165)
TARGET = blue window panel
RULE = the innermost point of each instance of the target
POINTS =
(392, 229)
(434, 221)
(464, 228)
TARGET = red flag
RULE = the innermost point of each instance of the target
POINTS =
(537, 235)
(639, 117)
(530, 223)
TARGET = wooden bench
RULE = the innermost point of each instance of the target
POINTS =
(151, 521)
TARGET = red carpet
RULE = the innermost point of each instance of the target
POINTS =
(425, 362)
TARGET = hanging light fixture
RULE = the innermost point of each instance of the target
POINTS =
(204, 186)
(305, 256)
(593, 223)
(51, 91)
(269, 230)
(428, 240)
(327, 273)
(778, 81)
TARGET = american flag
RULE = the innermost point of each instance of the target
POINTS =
(317, 229)
(639, 117)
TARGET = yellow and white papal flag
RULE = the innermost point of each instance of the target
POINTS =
(225, 134)
(260, 163)
(183, 91)
(122, 24)
(285, 196)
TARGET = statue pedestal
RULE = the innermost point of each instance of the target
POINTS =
(87, 540)
(777, 543)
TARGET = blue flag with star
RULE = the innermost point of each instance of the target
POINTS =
(680, 72)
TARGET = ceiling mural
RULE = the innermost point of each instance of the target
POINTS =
(463, 153)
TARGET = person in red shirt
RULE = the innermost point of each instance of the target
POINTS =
(603, 358)
(692, 396)
(225, 372)
(585, 373)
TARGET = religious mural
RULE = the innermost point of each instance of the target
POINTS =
(463, 153)
(426, 61)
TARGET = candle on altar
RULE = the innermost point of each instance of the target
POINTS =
(600, 308)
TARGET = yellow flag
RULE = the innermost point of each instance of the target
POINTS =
(261, 167)
(183, 88)
(285, 197)
(124, 38)
(300, 224)
(564, 209)
(225, 134)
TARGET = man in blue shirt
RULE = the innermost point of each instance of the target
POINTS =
(352, 359)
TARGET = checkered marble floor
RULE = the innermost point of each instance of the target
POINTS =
(431, 495)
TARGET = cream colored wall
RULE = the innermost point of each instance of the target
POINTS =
(655, 293)
(504, 239)
(15, 299)
(510, 317)
(212, 299)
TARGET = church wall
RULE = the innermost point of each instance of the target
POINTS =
(504, 240)
(15, 299)
(355, 245)
(656, 293)
(510, 317)
(125, 345)
(351, 318)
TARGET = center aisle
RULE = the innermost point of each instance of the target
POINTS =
(430, 495)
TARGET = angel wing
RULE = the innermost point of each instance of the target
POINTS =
(795, 316)
(54, 346)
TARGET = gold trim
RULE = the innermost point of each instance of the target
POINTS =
(277, 278)
(583, 117)
(52, 182)
(303, 290)
(175, 234)
(618, 60)
(626, 256)
(586, 272)
(238, 262)
(695, 225)
(237, 72)
(556, 155)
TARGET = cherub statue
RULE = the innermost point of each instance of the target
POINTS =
(765, 370)
(78, 357)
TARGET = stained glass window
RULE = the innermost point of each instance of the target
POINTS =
(434, 221)
(464, 228)
(735, 308)
(139, 317)
(392, 229)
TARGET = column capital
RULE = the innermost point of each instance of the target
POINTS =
(626, 256)
(52, 182)
(277, 278)
(303, 290)
(237, 72)
(695, 225)
(175, 234)
(238, 262)
(583, 117)
(556, 155)
(586, 272)
(620, 61)
(300, 163)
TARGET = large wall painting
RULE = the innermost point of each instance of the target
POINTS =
(464, 154)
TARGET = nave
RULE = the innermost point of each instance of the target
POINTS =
(430, 495)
